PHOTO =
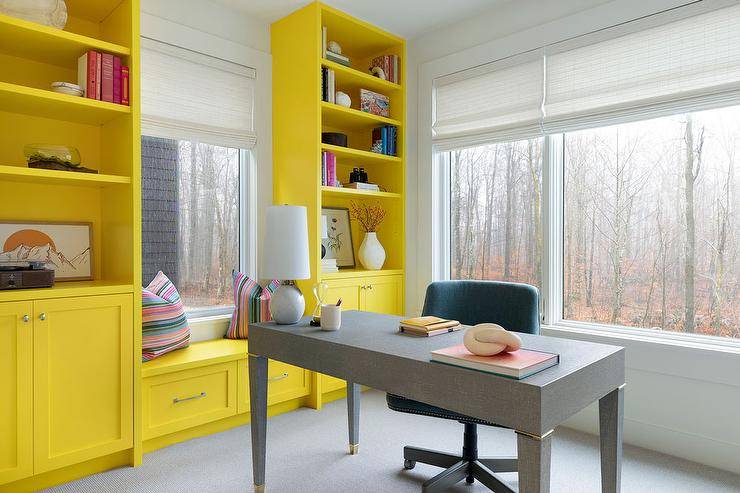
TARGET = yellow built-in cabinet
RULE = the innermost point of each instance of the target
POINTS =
(67, 382)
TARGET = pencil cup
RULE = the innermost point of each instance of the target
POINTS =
(331, 317)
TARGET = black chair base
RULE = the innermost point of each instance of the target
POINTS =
(468, 466)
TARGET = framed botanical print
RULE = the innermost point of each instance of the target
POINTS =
(65, 247)
(339, 236)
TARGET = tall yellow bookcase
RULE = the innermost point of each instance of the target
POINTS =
(70, 355)
(299, 118)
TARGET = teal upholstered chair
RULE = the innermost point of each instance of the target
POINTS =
(513, 306)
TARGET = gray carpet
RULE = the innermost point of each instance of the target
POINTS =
(307, 453)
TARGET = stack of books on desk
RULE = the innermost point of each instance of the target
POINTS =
(428, 326)
(329, 265)
(517, 364)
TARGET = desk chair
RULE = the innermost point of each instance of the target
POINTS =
(513, 306)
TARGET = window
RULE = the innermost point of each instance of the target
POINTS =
(651, 235)
(191, 219)
(603, 169)
(495, 218)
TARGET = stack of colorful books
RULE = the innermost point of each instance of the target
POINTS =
(103, 77)
(389, 64)
(384, 140)
(428, 326)
(329, 169)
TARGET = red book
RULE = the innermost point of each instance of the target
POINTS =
(87, 74)
(98, 75)
(106, 78)
(124, 86)
(117, 80)
(517, 364)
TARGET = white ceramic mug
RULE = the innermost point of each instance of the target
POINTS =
(331, 317)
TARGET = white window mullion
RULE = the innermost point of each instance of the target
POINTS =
(441, 233)
(552, 227)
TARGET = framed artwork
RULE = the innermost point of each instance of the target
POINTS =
(65, 247)
(339, 236)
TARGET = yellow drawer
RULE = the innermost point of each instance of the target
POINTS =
(184, 399)
(330, 384)
(285, 382)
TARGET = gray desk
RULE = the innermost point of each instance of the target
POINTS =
(368, 350)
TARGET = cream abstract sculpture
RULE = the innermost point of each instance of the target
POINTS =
(490, 339)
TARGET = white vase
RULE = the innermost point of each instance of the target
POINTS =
(372, 253)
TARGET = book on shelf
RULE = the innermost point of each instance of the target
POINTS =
(517, 364)
(384, 140)
(375, 103)
(389, 64)
(336, 58)
(328, 88)
(328, 169)
(323, 41)
(329, 265)
(356, 185)
(103, 77)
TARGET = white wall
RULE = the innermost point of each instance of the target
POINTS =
(679, 400)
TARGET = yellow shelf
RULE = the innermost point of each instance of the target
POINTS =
(351, 192)
(67, 290)
(337, 116)
(365, 156)
(350, 79)
(54, 177)
(352, 273)
(45, 44)
(47, 104)
(197, 354)
(359, 39)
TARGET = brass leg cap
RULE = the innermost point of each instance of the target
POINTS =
(354, 448)
(259, 488)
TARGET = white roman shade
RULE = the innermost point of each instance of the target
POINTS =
(497, 101)
(683, 59)
(650, 72)
(188, 95)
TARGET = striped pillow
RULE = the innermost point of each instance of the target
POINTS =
(164, 324)
(251, 304)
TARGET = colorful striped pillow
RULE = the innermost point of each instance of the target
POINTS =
(251, 304)
(164, 324)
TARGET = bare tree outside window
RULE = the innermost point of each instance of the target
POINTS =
(205, 200)
(495, 212)
(651, 237)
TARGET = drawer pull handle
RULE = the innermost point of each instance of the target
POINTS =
(42, 316)
(279, 377)
(177, 400)
(26, 318)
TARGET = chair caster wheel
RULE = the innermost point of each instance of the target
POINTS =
(409, 464)
(470, 480)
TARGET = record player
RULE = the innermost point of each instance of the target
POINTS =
(25, 275)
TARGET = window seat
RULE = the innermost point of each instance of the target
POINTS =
(197, 354)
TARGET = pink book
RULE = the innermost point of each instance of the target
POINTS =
(106, 79)
(124, 86)
(518, 364)
(98, 75)
(117, 80)
(87, 74)
(332, 169)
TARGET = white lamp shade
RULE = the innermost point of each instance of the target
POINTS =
(324, 227)
(285, 248)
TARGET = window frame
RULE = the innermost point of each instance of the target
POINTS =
(552, 217)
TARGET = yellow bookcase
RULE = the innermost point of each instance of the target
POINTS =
(299, 118)
(70, 355)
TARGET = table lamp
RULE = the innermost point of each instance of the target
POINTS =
(285, 257)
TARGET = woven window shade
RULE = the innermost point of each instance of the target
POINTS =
(188, 95)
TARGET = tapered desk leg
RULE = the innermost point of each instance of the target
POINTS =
(258, 408)
(534, 462)
(353, 416)
(611, 423)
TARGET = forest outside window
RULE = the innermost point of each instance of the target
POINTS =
(651, 236)
(191, 219)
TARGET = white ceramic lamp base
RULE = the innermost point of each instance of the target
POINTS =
(287, 304)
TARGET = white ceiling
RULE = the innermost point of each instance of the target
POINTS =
(407, 18)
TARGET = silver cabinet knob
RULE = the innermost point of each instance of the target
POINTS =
(26, 318)
(42, 316)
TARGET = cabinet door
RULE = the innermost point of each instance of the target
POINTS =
(83, 379)
(347, 289)
(16, 418)
(383, 294)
